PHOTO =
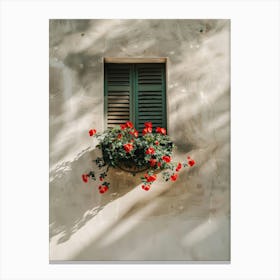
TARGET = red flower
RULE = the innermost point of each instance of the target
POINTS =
(128, 147)
(119, 136)
(161, 130)
(103, 189)
(101, 179)
(174, 177)
(146, 187)
(134, 133)
(123, 126)
(85, 178)
(151, 178)
(150, 151)
(166, 158)
(156, 143)
(159, 164)
(148, 124)
(152, 162)
(191, 162)
(92, 132)
(129, 124)
(179, 166)
(147, 130)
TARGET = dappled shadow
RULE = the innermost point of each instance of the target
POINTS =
(172, 221)
(72, 202)
(60, 28)
(127, 229)
(188, 46)
(115, 232)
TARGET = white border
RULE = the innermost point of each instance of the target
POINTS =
(255, 138)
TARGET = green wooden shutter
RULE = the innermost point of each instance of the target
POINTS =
(118, 93)
(135, 92)
(150, 102)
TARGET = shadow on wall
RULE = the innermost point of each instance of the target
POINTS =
(199, 118)
(73, 202)
(60, 28)
(205, 126)
(192, 240)
(198, 71)
(83, 42)
(127, 218)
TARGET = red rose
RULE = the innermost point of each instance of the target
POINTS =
(147, 130)
(161, 130)
(123, 126)
(101, 179)
(85, 178)
(166, 158)
(146, 187)
(148, 124)
(159, 164)
(156, 143)
(129, 124)
(179, 166)
(103, 189)
(150, 151)
(128, 147)
(191, 162)
(119, 136)
(152, 162)
(151, 178)
(174, 177)
(92, 132)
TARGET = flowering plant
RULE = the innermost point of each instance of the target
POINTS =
(123, 148)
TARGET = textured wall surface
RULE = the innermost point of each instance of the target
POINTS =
(185, 220)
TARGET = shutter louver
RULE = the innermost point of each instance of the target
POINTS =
(118, 85)
(135, 92)
(150, 93)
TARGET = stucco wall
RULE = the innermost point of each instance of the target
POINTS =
(185, 220)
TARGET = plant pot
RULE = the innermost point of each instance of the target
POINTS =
(131, 167)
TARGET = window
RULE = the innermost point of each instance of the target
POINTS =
(135, 92)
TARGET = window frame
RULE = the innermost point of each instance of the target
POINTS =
(133, 114)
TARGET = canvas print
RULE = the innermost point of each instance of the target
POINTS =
(139, 147)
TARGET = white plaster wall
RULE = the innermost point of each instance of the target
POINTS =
(185, 220)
